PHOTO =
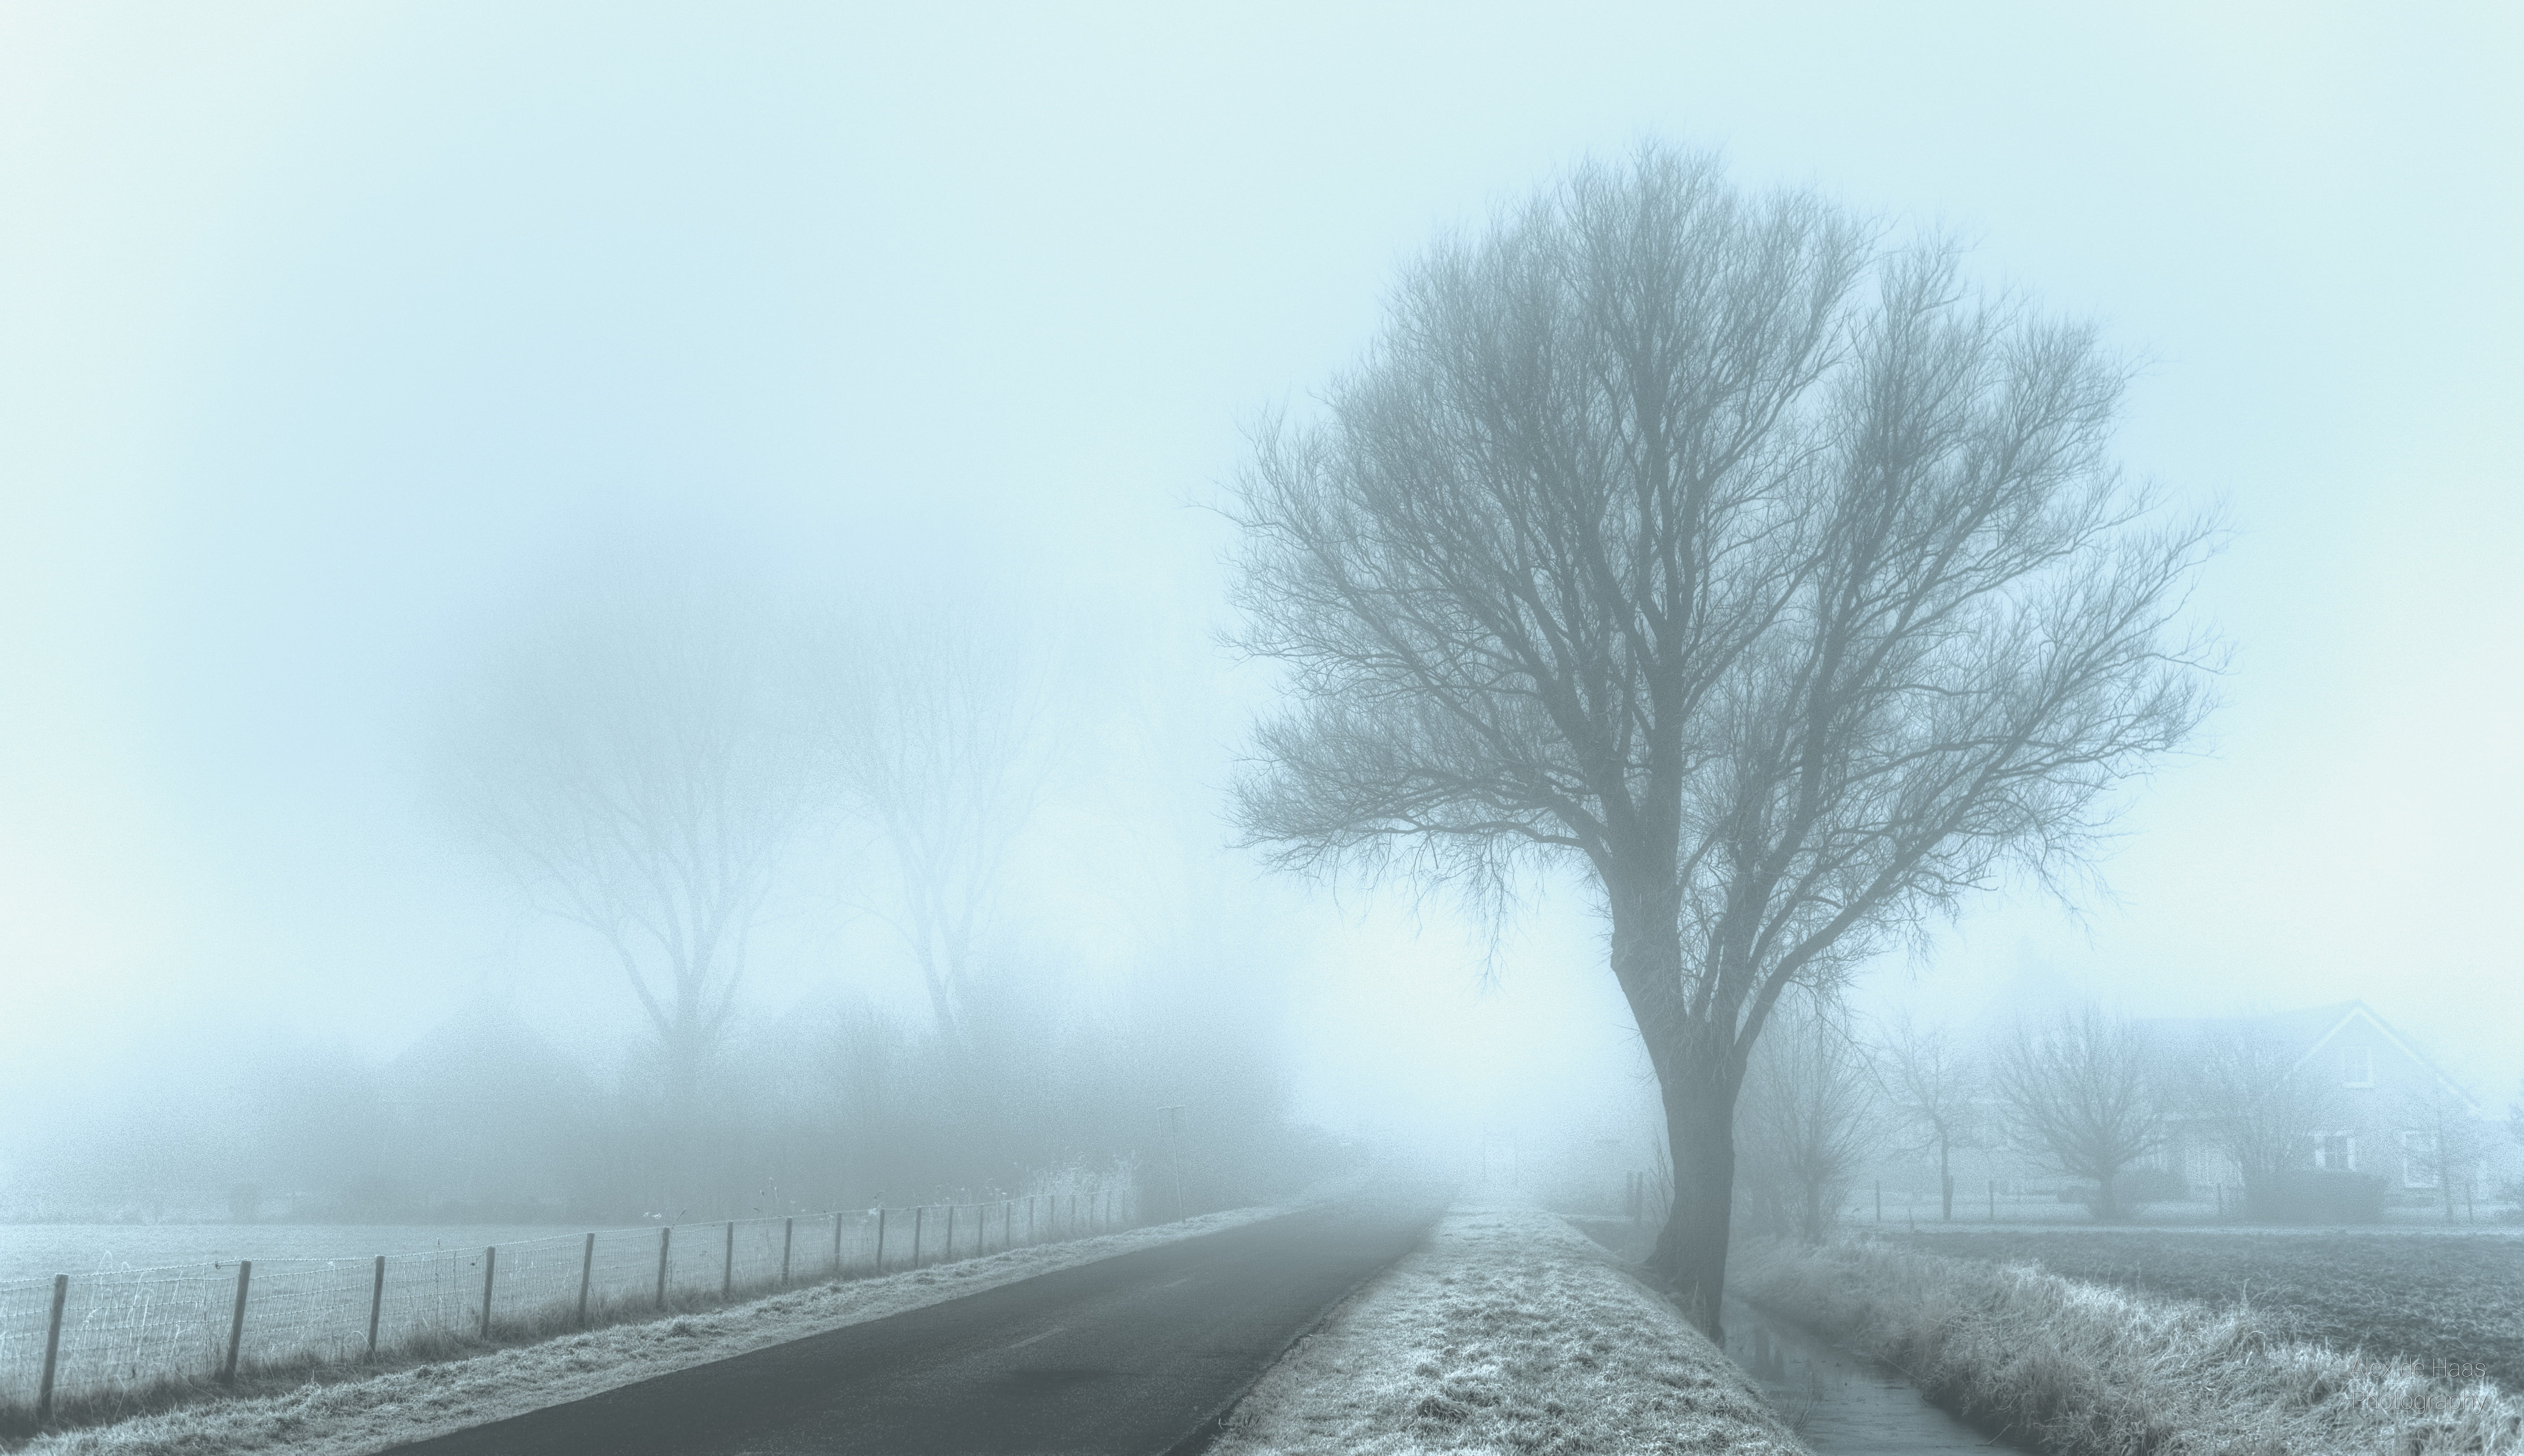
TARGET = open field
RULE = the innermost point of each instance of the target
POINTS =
(42, 1250)
(2450, 1302)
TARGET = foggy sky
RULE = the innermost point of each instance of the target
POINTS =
(326, 333)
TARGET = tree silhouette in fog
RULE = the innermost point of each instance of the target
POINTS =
(1774, 579)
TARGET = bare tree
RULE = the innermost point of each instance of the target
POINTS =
(631, 765)
(2086, 1092)
(2251, 1099)
(2442, 1141)
(936, 739)
(1807, 1120)
(1779, 584)
(1935, 1087)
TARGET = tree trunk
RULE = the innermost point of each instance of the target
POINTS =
(1698, 1077)
(2107, 1210)
(1691, 1250)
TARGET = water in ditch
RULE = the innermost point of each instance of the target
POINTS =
(1840, 1404)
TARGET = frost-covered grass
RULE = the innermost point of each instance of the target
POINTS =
(350, 1417)
(2078, 1369)
(1507, 1331)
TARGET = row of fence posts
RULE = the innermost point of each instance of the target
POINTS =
(1946, 1197)
(587, 1274)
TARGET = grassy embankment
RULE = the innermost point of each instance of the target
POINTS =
(1507, 1331)
(2079, 1369)
(2448, 1300)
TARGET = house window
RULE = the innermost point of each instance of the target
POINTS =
(2419, 1160)
(2358, 1067)
(2336, 1153)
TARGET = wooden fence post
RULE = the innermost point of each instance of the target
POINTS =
(1031, 1201)
(880, 1242)
(665, 1237)
(918, 1217)
(236, 1322)
(586, 1276)
(787, 1237)
(490, 1267)
(950, 1235)
(727, 1264)
(376, 1304)
(52, 1349)
(836, 1242)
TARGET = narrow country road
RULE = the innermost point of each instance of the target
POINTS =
(1132, 1354)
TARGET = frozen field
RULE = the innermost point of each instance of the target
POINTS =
(40, 1250)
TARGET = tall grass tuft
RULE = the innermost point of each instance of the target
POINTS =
(2077, 1369)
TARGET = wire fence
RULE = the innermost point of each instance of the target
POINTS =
(99, 1337)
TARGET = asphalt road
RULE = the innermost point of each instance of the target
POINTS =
(1133, 1354)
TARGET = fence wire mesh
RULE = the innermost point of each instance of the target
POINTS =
(122, 1332)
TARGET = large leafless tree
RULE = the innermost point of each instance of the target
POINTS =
(2087, 1091)
(633, 765)
(1777, 580)
(933, 732)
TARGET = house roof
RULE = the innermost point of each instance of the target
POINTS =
(2312, 1028)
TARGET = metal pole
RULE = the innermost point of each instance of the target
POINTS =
(665, 1237)
(727, 1263)
(52, 1349)
(236, 1322)
(837, 1243)
(951, 1233)
(880, 1240)
(788, 1236)
(919, 1216)
(490, 1266)
(586, 1276)
(376, 1304)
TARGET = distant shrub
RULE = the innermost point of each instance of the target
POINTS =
(2134, 1187)
(2314, 1195)
(2149, 1185)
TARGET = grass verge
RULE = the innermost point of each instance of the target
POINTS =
(2077, 1369)
(351, 1411)
(2446, 1300)
(1506, 1331)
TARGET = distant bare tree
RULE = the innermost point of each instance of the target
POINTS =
(1782, 586)
(2442, 1141)
(1808, 1119)
(1934, 1087)
(936, 739)
(631, 765)
(2087, 1091)
(2246, 1091)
